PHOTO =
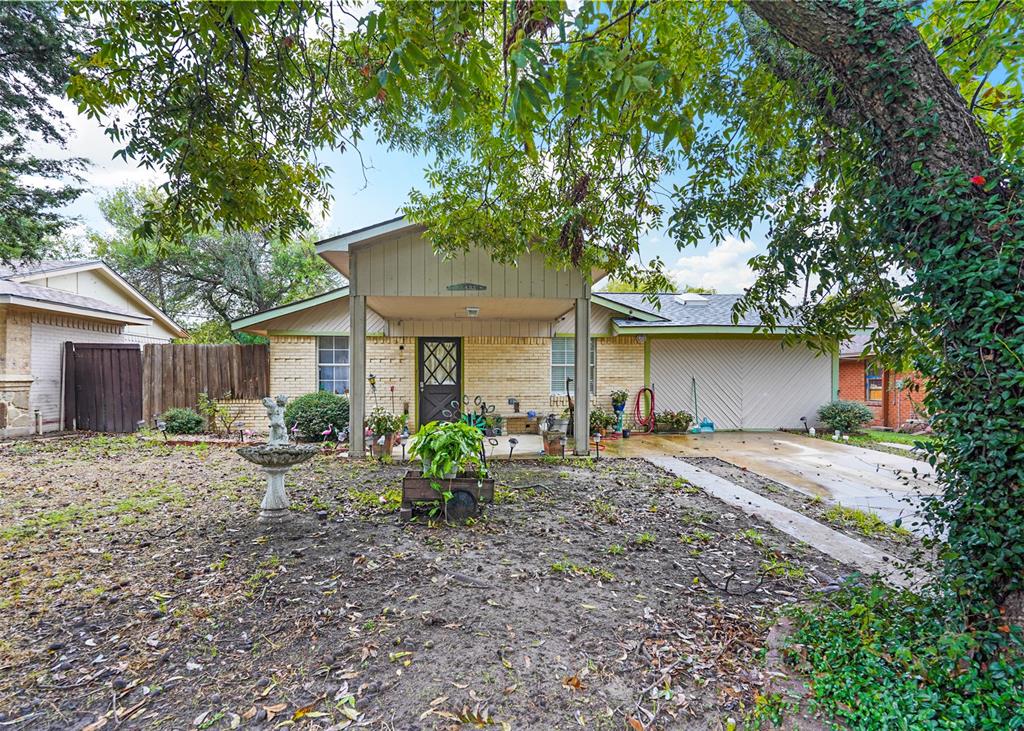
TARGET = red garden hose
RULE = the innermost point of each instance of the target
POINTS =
(647, 422)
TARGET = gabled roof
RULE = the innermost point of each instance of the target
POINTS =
(57, 300)
(19, 268)
(281, 310)
(25, 272)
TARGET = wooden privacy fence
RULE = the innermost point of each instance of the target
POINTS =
(102, 386)
(174, 375)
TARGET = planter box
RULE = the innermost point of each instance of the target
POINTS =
(416, 489)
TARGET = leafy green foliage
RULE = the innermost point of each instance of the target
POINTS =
(229, 100)
(619, 397)
(601, 419)
(314, 413)
(845, 416)
(214, 274)
(914, 658)
(446, 447)
(673, 421)
(36, 48)
(182, 421)
(382, 422)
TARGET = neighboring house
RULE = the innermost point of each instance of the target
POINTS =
(894, 398)
(432, 329)
(46, 303)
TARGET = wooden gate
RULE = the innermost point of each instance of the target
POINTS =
(103, 386)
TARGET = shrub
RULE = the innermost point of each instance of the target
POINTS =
(383, 422)
(846, 416)
(915, 657)
(679, 421)
(601, 419)
(315, 413)
(182, 421)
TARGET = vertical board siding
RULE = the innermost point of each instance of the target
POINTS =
(173, 375)
(407, 266)
(741, 383)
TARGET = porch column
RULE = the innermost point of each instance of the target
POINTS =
(581, 426)
(357, 372)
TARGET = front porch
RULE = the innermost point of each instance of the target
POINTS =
(476, 328)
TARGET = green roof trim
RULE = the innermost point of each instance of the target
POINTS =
(633, 312)
(244, 322)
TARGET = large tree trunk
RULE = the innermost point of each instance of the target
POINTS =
(965, 244)
(828, 31)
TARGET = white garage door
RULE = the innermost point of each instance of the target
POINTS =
(741, 383)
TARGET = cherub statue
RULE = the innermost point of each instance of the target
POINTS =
(275, 412)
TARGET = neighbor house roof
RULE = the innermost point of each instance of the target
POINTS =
(19, 268)
(57, 300)
(682, 311)
(27, 272)
(856, 346)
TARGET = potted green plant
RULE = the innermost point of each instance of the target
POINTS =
(619, 399)
(383, 423)
(447, 448)
(601, 421)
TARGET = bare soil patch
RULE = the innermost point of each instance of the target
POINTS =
(138, 591)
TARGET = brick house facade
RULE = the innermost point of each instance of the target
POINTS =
(893, 397)
(431, 329)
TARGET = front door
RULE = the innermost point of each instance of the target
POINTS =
(440, 374)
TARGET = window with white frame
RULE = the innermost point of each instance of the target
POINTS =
(332, 363)
(563, 364)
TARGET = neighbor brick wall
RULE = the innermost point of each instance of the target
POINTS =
(903, 404)
(852, 387)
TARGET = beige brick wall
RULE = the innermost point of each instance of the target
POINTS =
(393, 362)
(496, 368)
(493, 368)
(292, 365)
(620, 364)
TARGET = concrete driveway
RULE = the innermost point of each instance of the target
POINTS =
(883, 483)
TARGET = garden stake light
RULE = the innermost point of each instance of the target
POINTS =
(512, 442)
(162, 426)
(597, 445)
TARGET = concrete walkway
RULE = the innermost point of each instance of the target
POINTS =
(866, 559)
(889, 485)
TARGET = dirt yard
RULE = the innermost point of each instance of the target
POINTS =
(137, 591)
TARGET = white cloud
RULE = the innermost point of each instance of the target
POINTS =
(723, 268)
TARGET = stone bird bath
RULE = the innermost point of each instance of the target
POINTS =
(276, 457)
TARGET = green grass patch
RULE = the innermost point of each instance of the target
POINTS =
(375, 501)
(567, 567)
(912, 657)
(865, 523)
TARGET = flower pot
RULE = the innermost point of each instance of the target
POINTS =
(381, 450)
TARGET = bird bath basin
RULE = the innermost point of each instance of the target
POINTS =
(276, 460)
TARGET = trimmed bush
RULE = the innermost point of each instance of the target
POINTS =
(846, 416)
(673, 421)
(315, 413)
(182, 421)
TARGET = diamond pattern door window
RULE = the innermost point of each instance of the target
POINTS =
(440, 363)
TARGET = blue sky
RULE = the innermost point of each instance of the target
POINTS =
(359, 202)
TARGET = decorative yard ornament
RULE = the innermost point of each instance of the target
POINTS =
(275, 412)
(276, 457)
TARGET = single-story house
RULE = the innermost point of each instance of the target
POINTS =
(430, 330)
(44, 304)
(894, 398)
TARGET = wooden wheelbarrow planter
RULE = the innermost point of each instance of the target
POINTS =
(468, 490)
